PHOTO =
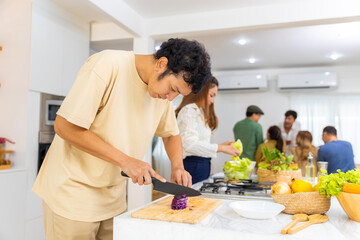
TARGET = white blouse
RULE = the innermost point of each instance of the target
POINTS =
(195, 134)
(291, 135)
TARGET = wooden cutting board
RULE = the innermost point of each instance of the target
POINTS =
(197, 209)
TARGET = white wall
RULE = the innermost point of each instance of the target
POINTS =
(55, 61)
(20, 108)
(230, 107)
(15, 38)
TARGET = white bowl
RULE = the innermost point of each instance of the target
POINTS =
(257, 209)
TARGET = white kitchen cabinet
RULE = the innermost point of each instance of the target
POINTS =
(76, 51)
(60, 45)
(12, 203)
(46, 54)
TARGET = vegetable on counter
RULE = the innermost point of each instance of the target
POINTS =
(276, 160)
(280, 188)
(179, 202)
(335, 183)
(238, 169)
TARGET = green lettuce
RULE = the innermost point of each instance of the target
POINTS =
(238, 169)
(331, 184)
(276, 161)
(239, 146)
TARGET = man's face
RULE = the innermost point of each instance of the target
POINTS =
(257, 117)
(325, 137)
(212, 94)
(169, 86)
(289, 121)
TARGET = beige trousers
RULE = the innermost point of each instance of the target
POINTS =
(60, 228)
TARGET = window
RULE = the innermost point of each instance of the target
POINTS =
(341, 111)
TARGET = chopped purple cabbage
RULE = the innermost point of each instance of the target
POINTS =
(179, 202)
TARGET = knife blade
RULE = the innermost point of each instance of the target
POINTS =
(171, 188)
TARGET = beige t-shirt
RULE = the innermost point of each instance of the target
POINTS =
(110, 99)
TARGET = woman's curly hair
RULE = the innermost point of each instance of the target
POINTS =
(188, 58)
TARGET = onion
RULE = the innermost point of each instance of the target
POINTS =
(280, 188)
(179, 202)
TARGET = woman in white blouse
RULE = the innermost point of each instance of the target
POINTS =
(197, 119)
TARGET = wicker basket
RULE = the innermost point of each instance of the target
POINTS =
(306, 202)
(265, 175)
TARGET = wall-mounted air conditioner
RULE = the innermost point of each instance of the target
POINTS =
(235, 81)
(307, 81)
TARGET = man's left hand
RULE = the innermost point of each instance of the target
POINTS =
(181, 177)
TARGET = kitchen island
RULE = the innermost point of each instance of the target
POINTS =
(224, 223)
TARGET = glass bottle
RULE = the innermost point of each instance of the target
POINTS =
(310, 171)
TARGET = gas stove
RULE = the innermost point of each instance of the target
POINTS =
(219, 187)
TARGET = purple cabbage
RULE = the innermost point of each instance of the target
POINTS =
(179, 202)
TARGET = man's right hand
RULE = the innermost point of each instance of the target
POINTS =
(140, 172)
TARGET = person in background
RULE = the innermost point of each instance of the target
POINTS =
(118, 102)
(289, 129)
(339, 154)
(249, 131)
(196, 120)
(274, 140)
(301, 151)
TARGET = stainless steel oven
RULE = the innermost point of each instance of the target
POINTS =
(49, 106)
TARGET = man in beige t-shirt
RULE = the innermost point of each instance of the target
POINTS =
(118, 102)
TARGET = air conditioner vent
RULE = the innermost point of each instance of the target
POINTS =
(237, 82)
(307, 81)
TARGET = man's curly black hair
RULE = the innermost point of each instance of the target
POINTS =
(188, 58)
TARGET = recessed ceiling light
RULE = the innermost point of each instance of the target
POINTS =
(334, 56)
(258, 76)
(327, 73)
(242, 42)
(252, 60)
(157, 48)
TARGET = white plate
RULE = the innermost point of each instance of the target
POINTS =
(257, 209)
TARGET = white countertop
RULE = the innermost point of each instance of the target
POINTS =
(225, 223)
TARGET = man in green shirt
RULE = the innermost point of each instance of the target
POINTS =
(249, 131)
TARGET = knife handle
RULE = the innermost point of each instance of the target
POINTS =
(125, 175)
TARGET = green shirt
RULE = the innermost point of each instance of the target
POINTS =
(250, 134)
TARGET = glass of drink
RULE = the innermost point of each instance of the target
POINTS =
(321, 166)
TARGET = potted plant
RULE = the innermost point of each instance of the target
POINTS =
(3, 141)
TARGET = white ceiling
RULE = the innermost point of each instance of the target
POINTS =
(163, 8)
(83, 9)
(273, 48)
(289, 47)
(276, 48)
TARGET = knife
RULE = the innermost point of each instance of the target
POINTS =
(171, 188)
